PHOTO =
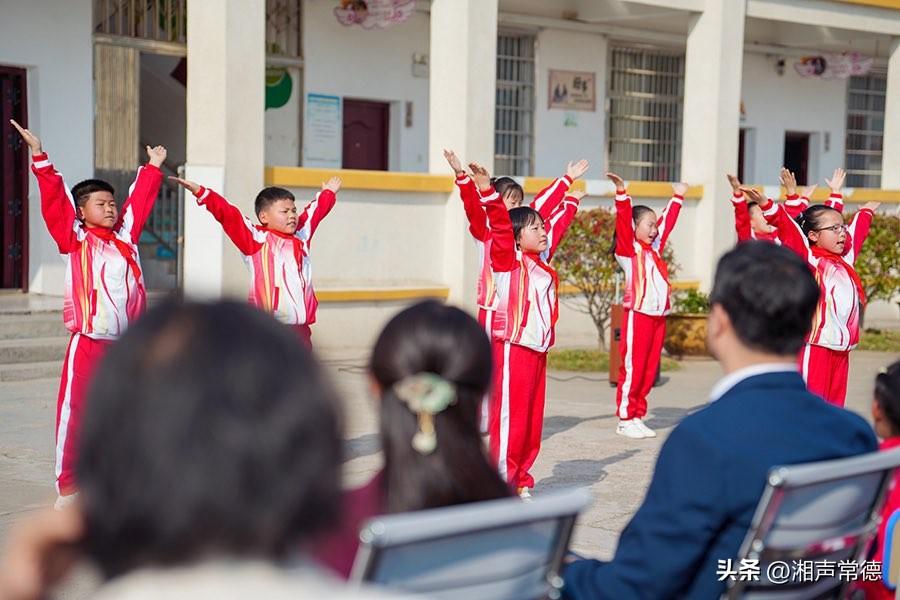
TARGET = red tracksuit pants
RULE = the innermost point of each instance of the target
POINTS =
(517, 410)
(82, 357)
(825, 372)
(640, 347)
(305, 335)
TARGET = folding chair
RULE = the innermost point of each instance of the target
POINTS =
(499, 550)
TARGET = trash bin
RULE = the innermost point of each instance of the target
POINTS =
(615, 334)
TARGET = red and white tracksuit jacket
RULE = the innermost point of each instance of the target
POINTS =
(546, 202)
(279, 264)
(824, 360)
(793, 204)
(646, 302)
(104, 290)
(522, 330)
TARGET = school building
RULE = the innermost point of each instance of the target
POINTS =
(249, 93)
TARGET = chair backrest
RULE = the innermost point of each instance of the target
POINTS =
(499, 549)
(810, 518)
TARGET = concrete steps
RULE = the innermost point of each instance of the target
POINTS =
(32, 344)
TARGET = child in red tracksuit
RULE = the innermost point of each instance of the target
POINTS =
(104, 291)
(830, 248)
(277, 251)
(639, 241)
(749, 222)
(546, 202)
(522, 327)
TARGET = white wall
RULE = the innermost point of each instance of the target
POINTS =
(585, 137)
(283, 127)
(375, 65)
(55, 46)
(775, 104)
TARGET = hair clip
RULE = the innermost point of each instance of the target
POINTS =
(425, 394)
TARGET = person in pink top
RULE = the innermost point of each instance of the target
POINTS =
(829, 247)
(104, 285)
(886, 415)
(276, 251)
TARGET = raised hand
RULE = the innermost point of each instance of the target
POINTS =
(32, 140)
(618, 181)
(680, 188)
(157, 155)
(808, 191)
(480, 175)
(333, 184)
(577, 169)
(190, 186)
(873, 206)
(454, 162)
(789, 181)
(735, 183)
(577, 194)
(754, 195)
(836, 183)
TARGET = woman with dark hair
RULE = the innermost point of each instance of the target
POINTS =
(430, 368)
(210, 453)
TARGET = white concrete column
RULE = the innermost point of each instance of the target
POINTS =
(462, 92)
(712, 97)
(225, 133)
(890, 154)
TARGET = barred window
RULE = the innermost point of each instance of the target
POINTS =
(646, 94)
(514, 117)
(865, 129)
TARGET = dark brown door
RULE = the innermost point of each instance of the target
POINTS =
(14, 182)
(796, 155)
(742, 140)
(365, 135)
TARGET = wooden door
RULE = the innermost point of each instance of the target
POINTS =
(365, 140)
(14, 183)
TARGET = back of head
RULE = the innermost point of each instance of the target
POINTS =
(887, 394)
(267, 196)
(444, 341)
(82, 190)
(507, 187)
(522, 217)
(769, 295)
(209, 431)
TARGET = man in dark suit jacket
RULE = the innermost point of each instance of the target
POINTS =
(712, 469)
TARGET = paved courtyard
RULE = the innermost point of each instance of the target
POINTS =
(580, 446)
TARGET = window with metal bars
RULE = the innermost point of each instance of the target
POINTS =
(646, 93)
(865, 129)
(514, 116)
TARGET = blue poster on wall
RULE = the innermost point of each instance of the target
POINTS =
(323, 132)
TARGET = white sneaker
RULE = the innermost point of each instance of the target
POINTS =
(630, 429)
(525, 494)
(646, 430)
(64, 501)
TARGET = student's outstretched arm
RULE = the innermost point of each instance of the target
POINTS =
(836, 185)
(142, 194)
(57, 204)
(549, 199)
(560, 221)
(624, 223)
(468, 193)
(741, 212)
(789, 231)
(503, 243)
(667, 220)
(859, 230)
(794, 203)
(237, 227)
(318, 209)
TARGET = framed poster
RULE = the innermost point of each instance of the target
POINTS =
(323, 134)
(572, 90)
